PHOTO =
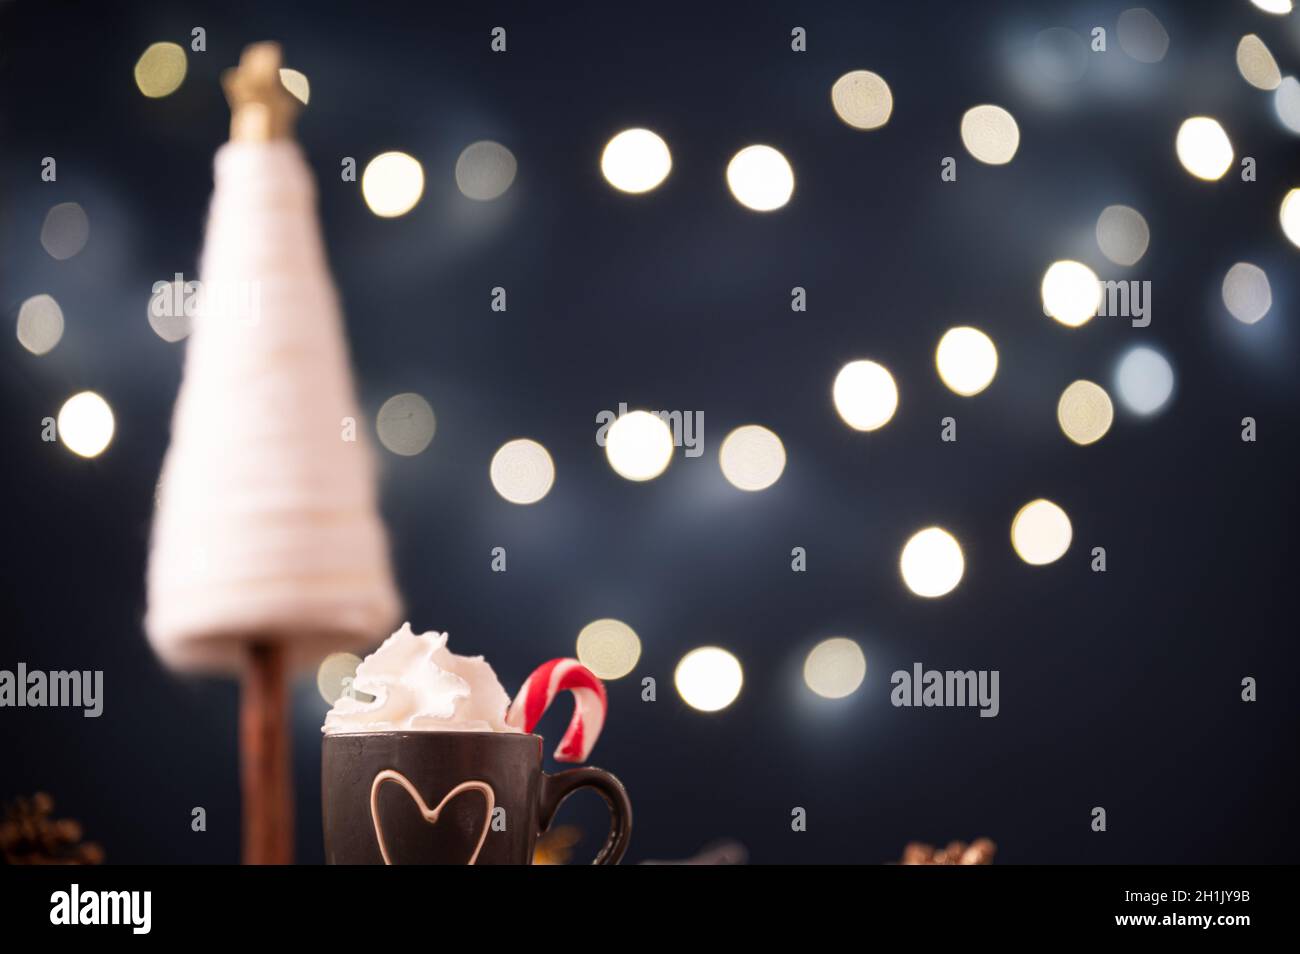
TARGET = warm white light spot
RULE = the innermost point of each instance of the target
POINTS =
(752, 457)
(1203, 148)
(760, 178)
(1071, 293)
(835, 668)
(636, 160)
(1122, 234)
(168, 307)
(1142, 36)
(1041, 532)
(609, 647)
(392, 184)
(990, 134)
(85, 424)
(1279, 7)
(160, 69)
(522, 471)
(1246, 292)
(40, 324)
(708, 678)
(65, 231)
(865, 395)
(1144, 380)
(1085, 412)
(485, 170)
(406, 424)
(335, 674)
(1256, 64)
(1286, 103)
(932, 563)
(639, 445)
(967, 360)
(297, 84)
(862, 99)
(1290, 216)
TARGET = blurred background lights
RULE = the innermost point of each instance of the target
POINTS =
(392, 184)
(1144, 380)
(406, 424)
(752, 457)
(40, 324)
(1122, 234)
(85, 424)
(967, 360)
(1286, 103)
(865, 395)
(990, 134)
(1256, 64)
(1279, 7)
(169, 322)
(932, 563)
(639, 445)
(297, 84)
(1246, 293)
(1041, 532)
(708, 678)
(835, 668)
(862, 99)
(1071, 293)
(1060, 55)
(485, 170)
(1203, 148)
(335, 674)
(609, 647)
(1289, 215)
(636, 160)
(1142, 36)
(522, 471)
(760, 178)
(65, 231)
(1085, 412)
(160, 70)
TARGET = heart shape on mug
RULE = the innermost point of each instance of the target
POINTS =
(430, 815)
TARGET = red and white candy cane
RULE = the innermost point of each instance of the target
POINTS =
(540, 689)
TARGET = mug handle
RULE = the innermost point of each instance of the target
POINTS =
(556, 788)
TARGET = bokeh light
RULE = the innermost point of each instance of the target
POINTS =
(636, 160)
(485, 170)
(392, 184)
(760, 178)
(990, 134)
(335, 674)
(1142, 36)
(1246, 293)
(708, 678)
(865, 395)
(296, 82)
(406, 424)
(522, 471)
(862, 99)
(1122, 234)
(609, 647)
(167, 315)
(160, 70)
(1071, 293)
(967, 360)
(1256, 64)
(1085, 412)
(1144, 380)
(1041, 532)
(639, 445)
(1289, 215)
(835, 668)
(1203, 148)
(1278, 7)
(752, 457)
(1060, 55)
(85, 424)
(1286, 103)
(932, 563)
(40, 324)
(65, 231)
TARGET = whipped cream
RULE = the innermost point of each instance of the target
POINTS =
(419, 685)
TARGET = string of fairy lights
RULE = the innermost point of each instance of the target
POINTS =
(639, 444)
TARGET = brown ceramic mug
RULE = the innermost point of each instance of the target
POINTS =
(450, 798)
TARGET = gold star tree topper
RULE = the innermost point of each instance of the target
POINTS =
(261, 109)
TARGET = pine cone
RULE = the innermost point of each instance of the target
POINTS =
(29, 836)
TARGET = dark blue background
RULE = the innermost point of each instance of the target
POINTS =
(1118, 689)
